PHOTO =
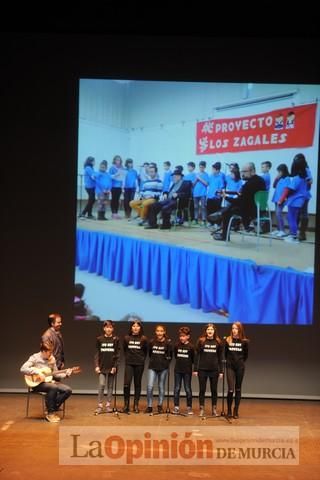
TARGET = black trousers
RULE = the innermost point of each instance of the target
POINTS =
(213, 205)
(88, 208)
(203, 376)
(115, 197)
(235, 374)
(135, 372)
(128, 196)
(228, 212)
(57, 393)
(165, 207)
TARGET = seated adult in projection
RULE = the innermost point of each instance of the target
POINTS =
(179, 189)
(150, 193)
(42, 367)
(81, 311)
(243, 205)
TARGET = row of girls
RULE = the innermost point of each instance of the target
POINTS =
(106, 181)
(204, 360)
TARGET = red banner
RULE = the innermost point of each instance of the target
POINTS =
(284, 128)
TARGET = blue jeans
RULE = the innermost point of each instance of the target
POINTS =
(152, 375)
(197, 201)
(57, 394)
(105, 379)
(186, 377)
(279, 215)
(293, 217)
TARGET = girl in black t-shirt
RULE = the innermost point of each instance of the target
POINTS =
(160, 353)
(135, 346)
(184, 355)
(236, 353)
(106, 361)
(208, 364)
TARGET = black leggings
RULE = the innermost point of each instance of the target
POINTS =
(128, 196)
(115, 197)
(135, 372)
(213, 376)
(88, 208)
(235, 374)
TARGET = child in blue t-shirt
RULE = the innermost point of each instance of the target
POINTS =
(216, 185)
(200, 193)
(130, 186)
(297, 193)
(191, 177)
(265, 168)
(280, 183)
(117, 173)
(234, 182)
(89, 183)
(103, 188)
(167, 177)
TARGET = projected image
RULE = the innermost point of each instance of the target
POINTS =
(196, 202)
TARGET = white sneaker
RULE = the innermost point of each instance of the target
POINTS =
(291, 239)
(281, 234)
(189, 411)
(275, 233)
(51, 417)
(175, 411)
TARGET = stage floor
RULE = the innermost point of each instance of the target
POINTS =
(282, 254)
(29, 447)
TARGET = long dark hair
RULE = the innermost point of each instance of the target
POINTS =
(89, 161)
(203, 336)
(299, 166)
(283, 169)
(236, 173)
(141, 333)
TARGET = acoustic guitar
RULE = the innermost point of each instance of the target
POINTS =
(34, 380)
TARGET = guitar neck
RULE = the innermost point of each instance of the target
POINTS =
(59, 371)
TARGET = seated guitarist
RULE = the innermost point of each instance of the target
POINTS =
(57, 393)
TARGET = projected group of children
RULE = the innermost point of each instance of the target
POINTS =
(204, 198)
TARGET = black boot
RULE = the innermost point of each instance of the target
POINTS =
(101, 216)
(126, 395)
(237, 403)
(229, 403)
(303, 227)
(136, 406)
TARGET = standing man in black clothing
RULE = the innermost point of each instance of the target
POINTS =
(53, 335)
(243, 204)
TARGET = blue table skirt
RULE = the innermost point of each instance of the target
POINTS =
(250, 293)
